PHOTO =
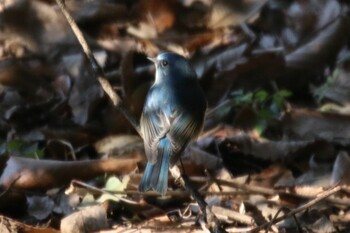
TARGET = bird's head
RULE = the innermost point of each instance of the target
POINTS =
(172, 66)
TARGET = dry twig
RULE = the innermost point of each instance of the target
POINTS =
(301, 208)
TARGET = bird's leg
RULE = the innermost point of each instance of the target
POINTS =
(182, 166)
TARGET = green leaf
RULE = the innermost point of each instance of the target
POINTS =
(245, 99)
(261, 96)
(279, 97)
(114, 184)
(278, 102)
(284, 93)
(236, 93)
(32, 151)
(14, 145)
(125, 181)
(260, 126)
(88, 199)
(24, 148)
(264, 114)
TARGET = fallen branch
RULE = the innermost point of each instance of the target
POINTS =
(25, 173)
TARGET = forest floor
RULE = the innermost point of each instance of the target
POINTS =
(273, 155)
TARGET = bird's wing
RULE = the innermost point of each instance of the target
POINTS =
(184, 128)
(154, 126)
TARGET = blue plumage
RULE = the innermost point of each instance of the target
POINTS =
(156, 175)
(173, 115)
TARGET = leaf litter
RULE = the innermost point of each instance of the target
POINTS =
(274, 143)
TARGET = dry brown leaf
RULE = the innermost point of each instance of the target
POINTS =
(86, 13)
(40, 28)
(29, 81)
(308, 191)
(275, 150)
(309, 124)
(40, 207)
(158, 13)
(323, 225)
(8, 225)
(336, 88)
(341, 169)
(118, 145)
(89, 219)
(322, 49)
(227, 13)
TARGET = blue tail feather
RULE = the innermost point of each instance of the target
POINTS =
(156, 175)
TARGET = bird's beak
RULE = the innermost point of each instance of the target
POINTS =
(153, 59)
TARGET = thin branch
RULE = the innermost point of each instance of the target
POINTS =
(176, 193)
(3, 193)
(108, 89)
(211, 219)
(249, 188)
(301, 208)
(274, 217)
(98, 190)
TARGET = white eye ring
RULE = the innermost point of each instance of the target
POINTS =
(164, 63)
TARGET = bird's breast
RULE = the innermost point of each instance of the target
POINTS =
(160, 96)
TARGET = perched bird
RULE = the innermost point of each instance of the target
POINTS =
(172, 116)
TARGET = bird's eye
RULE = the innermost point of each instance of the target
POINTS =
(164, 63)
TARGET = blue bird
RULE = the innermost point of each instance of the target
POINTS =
(172, 116)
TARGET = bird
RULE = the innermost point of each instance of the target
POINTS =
(173, 115)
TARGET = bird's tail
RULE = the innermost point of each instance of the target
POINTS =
(156, 175)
